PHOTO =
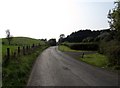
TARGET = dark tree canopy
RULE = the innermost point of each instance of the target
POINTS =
(52, 42)
(114, 16)
(85, 35)
(114, 19)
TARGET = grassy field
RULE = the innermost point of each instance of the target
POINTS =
(18, 41)
(21, 41)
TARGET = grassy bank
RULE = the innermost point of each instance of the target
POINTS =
(67, 49)
(17, 71)
(96, 59)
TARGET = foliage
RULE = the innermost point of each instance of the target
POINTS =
(61, 39)
(78, 36)
(112, 50)
(110, 45)
(52, 42)
(82, 46)
(114, 19)
(67, 49)
(88, 39)
(21, 41)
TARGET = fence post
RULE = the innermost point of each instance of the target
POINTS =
(8, 55)
(33, 45)
(82, 55)
(23, 50)
(27, 49)
(15, 55)
(18, 50)
(5, 61)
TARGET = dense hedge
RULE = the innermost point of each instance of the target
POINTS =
(112, 50)
(82, 46)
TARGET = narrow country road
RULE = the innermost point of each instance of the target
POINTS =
(54, 68)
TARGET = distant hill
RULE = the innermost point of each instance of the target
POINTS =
(22, 41)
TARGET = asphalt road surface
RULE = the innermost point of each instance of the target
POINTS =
(54, 68)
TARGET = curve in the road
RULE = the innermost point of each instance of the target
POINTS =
(54, 68)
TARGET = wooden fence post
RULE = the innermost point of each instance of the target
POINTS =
(33, 45)
(8, 54)
(15, 55)
(82, 55)
(18, 50)
(23, 50)
(27, 49)
(7, 57)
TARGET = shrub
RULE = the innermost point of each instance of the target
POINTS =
(112, 50)
(113, 53)
(82, 46)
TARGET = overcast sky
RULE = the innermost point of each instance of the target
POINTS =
(50, 18)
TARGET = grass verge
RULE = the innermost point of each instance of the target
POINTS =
(96, 59)
(17, 72)
(67, 49)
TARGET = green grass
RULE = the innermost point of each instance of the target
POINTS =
(18, 41)
(17, 72)
(67, 49)
(23, 41)
(4, 49)
(96, 59)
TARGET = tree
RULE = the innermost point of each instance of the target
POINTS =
(61, 39)
(52, 42)
(114, 19)
(9, 37)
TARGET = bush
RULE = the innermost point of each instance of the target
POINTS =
(113, 53)
(82, 46)
(112, 50)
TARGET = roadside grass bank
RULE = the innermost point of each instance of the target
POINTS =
(17, 71)
(68, 49)
(95, 59)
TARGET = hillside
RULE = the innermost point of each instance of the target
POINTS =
(18, 58)
(20, 41)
